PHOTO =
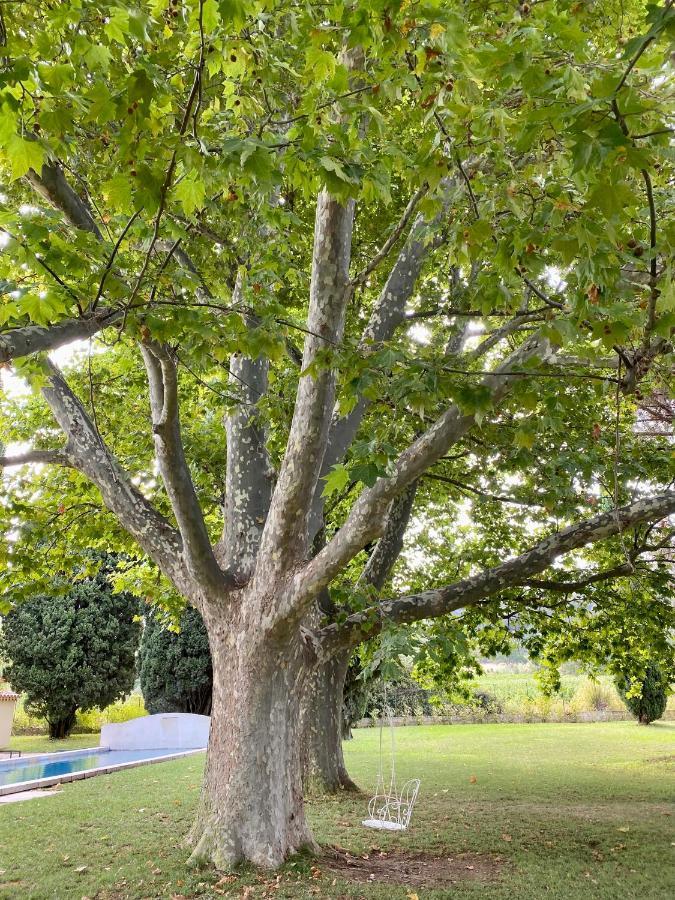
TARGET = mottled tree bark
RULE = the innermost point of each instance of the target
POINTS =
(249, 475)
(325, 769)
(251, 806)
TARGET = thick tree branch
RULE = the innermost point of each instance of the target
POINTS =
(366, 519)
(19, 342)
(517, 571)
(385, 249)
(285, 539)
(492, 340)
(51, 184)
(388, 313)
(249, 478)
(173, 467)
(37, 457)
(388, 548)
(89, 454)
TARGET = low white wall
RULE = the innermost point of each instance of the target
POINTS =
(165, 731)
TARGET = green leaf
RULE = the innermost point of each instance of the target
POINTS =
(24, 155)
(233, 11)
(117, 26)
(667, 296)
(191, 192)
(330, 164)
(98, 57)
(524, 438)
(320, 63)
(210, 15)
(140, 86)
(336, 481)
(368, 474)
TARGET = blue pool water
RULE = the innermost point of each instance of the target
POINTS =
(15, 771)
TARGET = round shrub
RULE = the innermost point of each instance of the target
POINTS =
(73, 651)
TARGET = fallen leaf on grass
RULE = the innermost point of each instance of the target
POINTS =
(507, 837)
(623, 828)
(81, 869)
(472, 779)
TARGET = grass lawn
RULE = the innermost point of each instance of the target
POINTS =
(525, 811)
(41, 744)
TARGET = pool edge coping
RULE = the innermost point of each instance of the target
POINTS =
(56, 754)
(52, 780)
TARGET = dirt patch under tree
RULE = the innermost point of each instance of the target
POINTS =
(413, 869)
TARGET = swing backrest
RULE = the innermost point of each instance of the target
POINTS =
(409, 793)
(395, 807)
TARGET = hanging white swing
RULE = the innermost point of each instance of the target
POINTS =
(391, 809)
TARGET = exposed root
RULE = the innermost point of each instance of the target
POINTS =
(222, 847)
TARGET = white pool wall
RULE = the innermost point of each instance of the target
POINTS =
(164, 731)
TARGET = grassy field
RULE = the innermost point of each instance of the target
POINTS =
(517, 695)
(526, 811)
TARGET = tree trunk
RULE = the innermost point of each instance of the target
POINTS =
(251, 807)
(324, 727)
(324, 765)
(61, 728)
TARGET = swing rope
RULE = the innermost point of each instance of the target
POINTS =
(387, 808)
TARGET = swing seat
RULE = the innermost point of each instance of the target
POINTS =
(392, 811)
(383, 825)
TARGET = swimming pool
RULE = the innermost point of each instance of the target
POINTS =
(49, 769)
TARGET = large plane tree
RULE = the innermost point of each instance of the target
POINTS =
(241, 205)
